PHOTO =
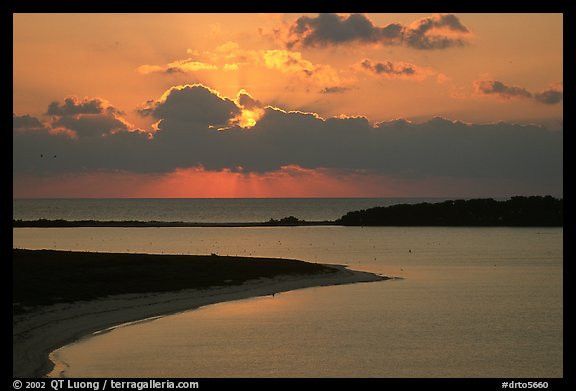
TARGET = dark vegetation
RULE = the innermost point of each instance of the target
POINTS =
(42, 277)
(516, 212)
(291, 220)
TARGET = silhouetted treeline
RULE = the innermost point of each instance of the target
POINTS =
(532, 211)
(291, 220)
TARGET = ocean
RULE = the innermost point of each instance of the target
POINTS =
(198, 210)
(472, 302)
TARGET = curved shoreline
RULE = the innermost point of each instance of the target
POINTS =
(36, 335)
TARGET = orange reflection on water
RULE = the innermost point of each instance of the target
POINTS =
(278, 303)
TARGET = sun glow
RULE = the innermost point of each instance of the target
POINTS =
(197, 182)
(248, 118)
(251, 110)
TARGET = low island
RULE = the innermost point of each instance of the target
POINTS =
(61, 296)
(534, 211)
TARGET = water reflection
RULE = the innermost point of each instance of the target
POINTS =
(474, 303)
(470, 322)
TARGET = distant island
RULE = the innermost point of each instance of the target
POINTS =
(520, 211)
(532, 211)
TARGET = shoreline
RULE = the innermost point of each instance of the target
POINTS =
(37, 334)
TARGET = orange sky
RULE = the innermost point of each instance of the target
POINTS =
(473, 68)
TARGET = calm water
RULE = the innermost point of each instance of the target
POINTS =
(202, 210)
(474, 302)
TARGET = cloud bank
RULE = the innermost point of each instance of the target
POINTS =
(497, 88)
(551, 96)
(440, 31)
(197, 127)
(393, 70)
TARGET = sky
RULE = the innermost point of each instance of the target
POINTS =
(287, 105)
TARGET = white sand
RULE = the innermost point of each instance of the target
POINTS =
(36, 335)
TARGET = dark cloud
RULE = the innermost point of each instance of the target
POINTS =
(551, 96)
(73, 106)
(494, 87)
(246, 101)
(186, 137)
(90, 117)
(332, 29)
(449, 21)
(388, 68)
(334, 90)
(395, 70)
(26, 122)
(195, 104)
(434, 32)
(91, 125)
(427, 33)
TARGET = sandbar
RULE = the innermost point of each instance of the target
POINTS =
(39, 332)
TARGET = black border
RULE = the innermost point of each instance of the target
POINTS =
(422, 6)
(360, 6)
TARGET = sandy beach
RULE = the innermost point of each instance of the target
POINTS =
(37, 334)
